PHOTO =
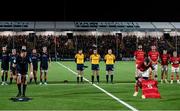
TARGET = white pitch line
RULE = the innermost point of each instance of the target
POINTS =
(103, 90)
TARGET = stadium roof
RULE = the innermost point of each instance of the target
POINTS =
(91, 25)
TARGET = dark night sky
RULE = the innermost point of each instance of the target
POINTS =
(91, 10)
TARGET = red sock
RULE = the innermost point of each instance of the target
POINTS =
(177, 77)
(136, 88)
(172, 77)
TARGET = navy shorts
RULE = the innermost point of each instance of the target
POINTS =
(80, 67)
(43, 67)
(35, 67)
(5, 68)
(109, 67)
(95, 67)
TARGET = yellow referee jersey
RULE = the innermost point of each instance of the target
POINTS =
(79, 58)
(95, 58)
(110, 58)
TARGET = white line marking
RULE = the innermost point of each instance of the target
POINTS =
(103, 90)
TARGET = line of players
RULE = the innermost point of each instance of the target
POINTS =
(19, 68)
(154, 57)
(109, 59)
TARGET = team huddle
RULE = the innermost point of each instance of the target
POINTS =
(147, 66)
(19, 67)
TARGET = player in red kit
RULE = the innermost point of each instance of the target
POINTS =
(175, 67)
(164, 66)
(154, 57)
(143, 70)
(139, 58)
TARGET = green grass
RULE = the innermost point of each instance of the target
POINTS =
(71, 96)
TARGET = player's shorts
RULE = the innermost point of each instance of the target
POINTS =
(5, 68)
(144, 74)
(175, 69)
(45, 67)
(155, 67)
(164, 68)
(35, 67)
(20, 73)
(109, 67)
(95, 67)
(80, 67)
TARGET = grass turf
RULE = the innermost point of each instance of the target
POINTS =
(72, 96)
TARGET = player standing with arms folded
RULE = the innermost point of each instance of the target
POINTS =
(175, 67)
(95, 59)
(164, 66)
(154, 57)
(109, 60)
(80, 59)
(4, 66)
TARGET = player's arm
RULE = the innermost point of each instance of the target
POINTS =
(99, 58)
(90, 59)
(49, 59)
(105, 58)
(30, 66)
(135, 55)
(84, 58)
(75, 60)
(114, 58)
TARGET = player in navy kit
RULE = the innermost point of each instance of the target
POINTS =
(21, 63)
(34, 58)
(4, 66)
(44, 59)
(13, 70)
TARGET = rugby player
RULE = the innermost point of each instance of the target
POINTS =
(13, 69)
(175, 67)
(44, 59)
(22, 62)
(4, 66)
(164, 66)
(154, 57)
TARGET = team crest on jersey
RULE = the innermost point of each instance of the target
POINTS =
(150, 86)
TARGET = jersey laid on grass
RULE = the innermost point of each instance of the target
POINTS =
(153, 56)
(175, 61)
(139, 55)
(164, 59)
(79, 58)
(109, 58)
(95, 58)
(149, 89)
